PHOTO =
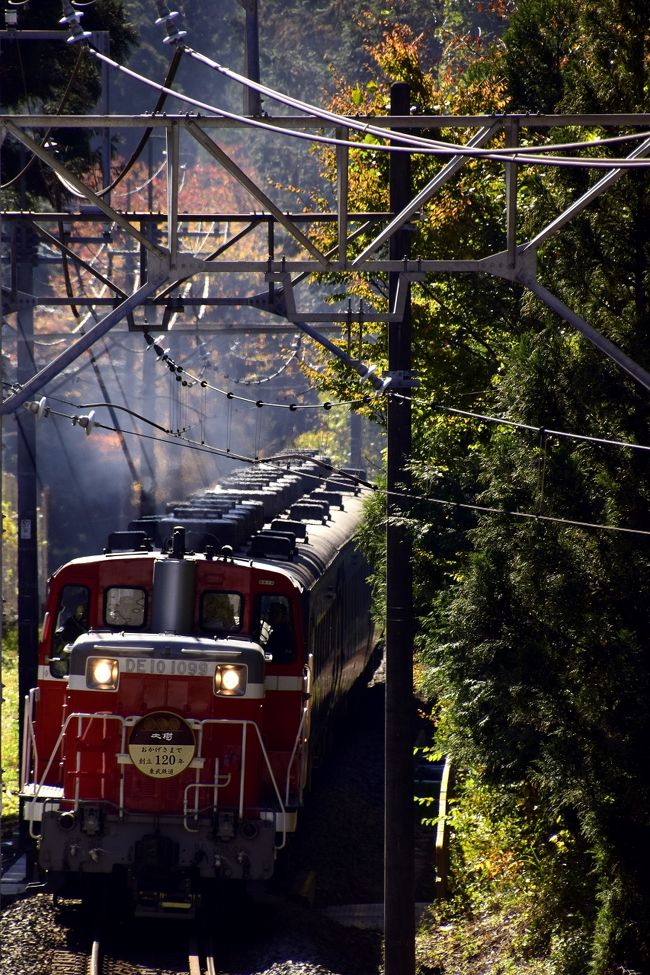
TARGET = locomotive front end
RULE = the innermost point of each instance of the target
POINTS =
(165, 778)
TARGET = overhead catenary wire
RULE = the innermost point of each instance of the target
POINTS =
(338, 119)
(367, 399)
(280, 459)
(397, 142)
(486, 418)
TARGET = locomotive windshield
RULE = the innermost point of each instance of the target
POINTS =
(221, 612)
(124, 607)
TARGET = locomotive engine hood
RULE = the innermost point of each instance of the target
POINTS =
(99, 659)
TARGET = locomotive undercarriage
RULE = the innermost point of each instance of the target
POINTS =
(162, 866)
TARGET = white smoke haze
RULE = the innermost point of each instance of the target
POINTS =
(96, 484)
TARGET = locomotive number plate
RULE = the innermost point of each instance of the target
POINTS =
(161, 745)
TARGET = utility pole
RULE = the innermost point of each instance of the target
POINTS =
(399, 841)
(28, 599)
(356, 441)
(252, 100)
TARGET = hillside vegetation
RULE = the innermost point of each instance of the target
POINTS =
(532, 563)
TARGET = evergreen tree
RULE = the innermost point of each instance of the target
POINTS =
(547, 663)
(71, 84)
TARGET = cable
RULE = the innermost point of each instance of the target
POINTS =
(135, 155)
(115, 406)
(175, 37)
(291, 357)
(404, 143)
(485, 509)
(337, 119)
(409, 496)
(138, 189)
(500, 421)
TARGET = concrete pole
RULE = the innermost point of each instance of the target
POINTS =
(28, 599)
(399, 842)
(252, 100)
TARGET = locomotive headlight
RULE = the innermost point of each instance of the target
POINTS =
(230, 680)
(102, 673)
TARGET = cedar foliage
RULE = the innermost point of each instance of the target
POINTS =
(70, 84)
(535, 634)
(545, 662)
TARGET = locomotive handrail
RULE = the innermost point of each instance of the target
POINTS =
(29, 748)
(215, 785)
(197, 724)
(245, 724)
(306, 681)
(41, 785)
(296, 743)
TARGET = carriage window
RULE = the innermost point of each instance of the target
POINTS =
(124, 606)
(221, 612)
(274, 627)
(71, 617)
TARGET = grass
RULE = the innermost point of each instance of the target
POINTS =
(9, 743)
(489, 943)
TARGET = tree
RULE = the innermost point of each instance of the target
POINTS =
(535, 632)
(545, 661)
(71, 85)
(459, 331)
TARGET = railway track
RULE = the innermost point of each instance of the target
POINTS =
(77, 962)
(201, 962)
(99, 960)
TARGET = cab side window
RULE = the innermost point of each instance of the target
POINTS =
(274, 627)
(71, 622)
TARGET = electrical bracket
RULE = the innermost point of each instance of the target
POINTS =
(14, 300)
(402, 379)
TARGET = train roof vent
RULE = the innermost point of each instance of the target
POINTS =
(226, 530)
(130, 541)
(271, 544)
(331, 497)
(341, 484)
(298, 528)
(310, 511)
(354, 472)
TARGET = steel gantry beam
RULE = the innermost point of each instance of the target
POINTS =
(166, 261)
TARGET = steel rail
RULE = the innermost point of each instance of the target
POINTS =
(200, 957)
(94, 965)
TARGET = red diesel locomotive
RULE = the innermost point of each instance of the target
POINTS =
(186, 680)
